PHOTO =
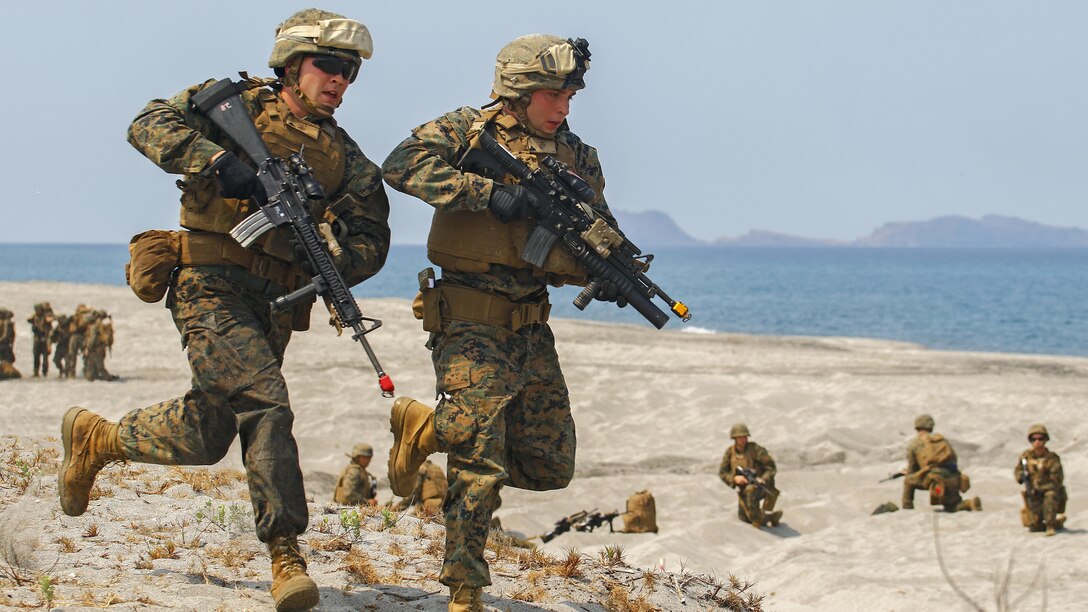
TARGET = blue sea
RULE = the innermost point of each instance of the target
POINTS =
(1004, 300)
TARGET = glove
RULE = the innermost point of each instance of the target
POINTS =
(607, 291)
(236, 179)
(509, 202)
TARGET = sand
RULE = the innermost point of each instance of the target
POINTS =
(653, 409)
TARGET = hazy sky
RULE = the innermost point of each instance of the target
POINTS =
(821, 119)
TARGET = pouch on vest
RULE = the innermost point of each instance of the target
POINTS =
(425, 305)
(965, 483)
(154, 255)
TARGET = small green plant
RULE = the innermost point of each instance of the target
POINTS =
(45, 583)
(351, 522)
(230, 517)
(389, 518)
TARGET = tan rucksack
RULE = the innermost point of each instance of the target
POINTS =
(641, 515)
(936, 451)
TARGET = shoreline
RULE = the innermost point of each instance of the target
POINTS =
(673, 326)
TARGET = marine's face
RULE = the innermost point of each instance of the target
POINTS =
(1038, 443)
(548, 108)
(741, 442)
(363, 461)
(322, 89)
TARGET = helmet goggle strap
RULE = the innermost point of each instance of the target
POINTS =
(568, 59)
(336, 33)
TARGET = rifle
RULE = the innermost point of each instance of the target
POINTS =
(892, 476)
(560, 207)
(585, 521)
(595, 519)
(288, 185)
(753, 478)
(1025, 477)
(563, 525)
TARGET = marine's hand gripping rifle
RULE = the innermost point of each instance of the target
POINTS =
(561, 209)
(288, 185)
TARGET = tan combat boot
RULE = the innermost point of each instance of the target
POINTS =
(292, 588)
(774, 517)
(412, 424)
(465, 599)
(90, 443)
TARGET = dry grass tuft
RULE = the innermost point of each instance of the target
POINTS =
(339, 543)
(100, 492)
(570, 566)
(166, 550)
(435, 548)
(66, 544)
(233, 555)
(534, 558)
(91, 530)
(210, 482)
(360, 569)
(619, 600)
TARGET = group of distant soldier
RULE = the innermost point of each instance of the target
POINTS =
(87, 333)
(931, 466)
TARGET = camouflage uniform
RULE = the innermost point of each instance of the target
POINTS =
(1048, 496)
(1040, 470)
(59, 337)
(77, 330)
(356, 485)
(235, 341)
(41, 325)
(430, 489)
(7, 345)
(99, 341)
(504, 415)
(750, 497)
(943, 480)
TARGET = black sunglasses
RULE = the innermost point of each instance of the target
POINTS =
(335, 65)
(1034, 438)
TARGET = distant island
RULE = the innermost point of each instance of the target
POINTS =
(657, 229)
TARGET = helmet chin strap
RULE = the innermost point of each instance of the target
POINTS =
(519, 108)
(290, 80)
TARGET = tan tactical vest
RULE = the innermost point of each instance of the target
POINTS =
(470, 241)
(641, 515)
(323, 149)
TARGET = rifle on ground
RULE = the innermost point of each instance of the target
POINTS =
(560, 207)
(892, 476)
(288, 186)
(584, 520)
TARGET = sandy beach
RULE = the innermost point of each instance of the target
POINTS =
(653, 409)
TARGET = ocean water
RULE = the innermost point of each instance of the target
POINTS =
(1004, 300)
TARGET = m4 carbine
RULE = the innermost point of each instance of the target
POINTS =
(561, 208)
(581, 521)
(288, 185)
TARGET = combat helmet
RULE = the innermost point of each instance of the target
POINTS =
(1037, 429)
(924, 421)
(316, 32)
(361, 450)
(738, 430)
(540, 61)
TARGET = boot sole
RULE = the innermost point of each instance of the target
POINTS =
(66, 427)
(396, 425)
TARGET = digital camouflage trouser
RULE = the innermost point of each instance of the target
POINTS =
(235, 347)
(749, 503)
(41, 354)
(1043, 508)
(504, 420)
